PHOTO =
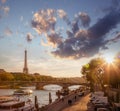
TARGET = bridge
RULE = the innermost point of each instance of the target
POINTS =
(40, 85)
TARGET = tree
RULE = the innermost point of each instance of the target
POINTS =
(94, 72)
(6, 77)
(97, 71)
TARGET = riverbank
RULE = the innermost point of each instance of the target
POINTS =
(5, 87)
(9, 87)
(64, 102)
(80, 105)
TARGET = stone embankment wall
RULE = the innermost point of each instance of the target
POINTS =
(61, 103)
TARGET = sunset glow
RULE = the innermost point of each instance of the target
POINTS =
(59, 39)
(109, 59)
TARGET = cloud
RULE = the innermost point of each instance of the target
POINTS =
(72, 48)
(77, 42)
(3, 1)
(69, 34)
(29, 37)
(105, 25)
(114, 39)
(8, 31)
(114, 6)
(43, 43)
(87, 43)
(85, 19)
(44, 21)
(6, 9)
(80, 17)
(54, 39)
(63, 15)
(81, 34)
(75, 26)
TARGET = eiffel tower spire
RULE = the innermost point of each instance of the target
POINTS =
(25, 69)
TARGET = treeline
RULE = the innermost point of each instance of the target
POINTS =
(6, 76)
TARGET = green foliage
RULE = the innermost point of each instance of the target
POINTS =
(23, 77)
(93, 72)
(6, 76)
(98, 71)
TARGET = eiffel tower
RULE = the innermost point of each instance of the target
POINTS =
(25, 69)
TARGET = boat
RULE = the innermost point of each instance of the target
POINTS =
(23, 91)
(63, 92)
(5, 99)
(16, 105)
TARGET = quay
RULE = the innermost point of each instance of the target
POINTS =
(64, 102)
(10, 103)
(77, 101)
(80, 105)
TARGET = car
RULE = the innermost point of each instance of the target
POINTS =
(102, 109)
(117, 106)
(102, 106)
(99, 100)
(81, 94)
(96, 101)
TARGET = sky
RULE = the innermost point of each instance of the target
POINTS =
(60, 36)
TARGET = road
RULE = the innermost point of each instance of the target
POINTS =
(80, 105)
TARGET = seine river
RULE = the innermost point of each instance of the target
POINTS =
(43, 95)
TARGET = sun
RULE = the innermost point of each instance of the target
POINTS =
(109, 59)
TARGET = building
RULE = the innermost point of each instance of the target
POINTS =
(25, 69)
(2, 71)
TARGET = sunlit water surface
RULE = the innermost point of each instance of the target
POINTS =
(42, 95)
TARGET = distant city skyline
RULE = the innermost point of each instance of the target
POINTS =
(59, 36)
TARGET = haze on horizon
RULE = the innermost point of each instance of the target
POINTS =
(60, 36)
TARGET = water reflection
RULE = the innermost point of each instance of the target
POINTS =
(74, 87)
(43, 95)
(52, 87)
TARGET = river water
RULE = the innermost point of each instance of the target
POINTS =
(42, 95)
